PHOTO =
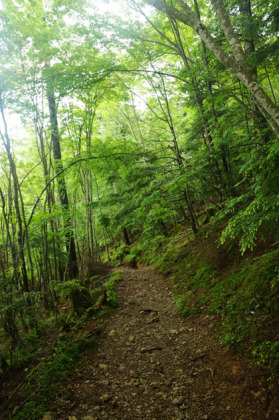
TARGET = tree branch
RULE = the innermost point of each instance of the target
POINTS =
(85, 159)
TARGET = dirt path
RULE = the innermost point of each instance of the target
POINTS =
(150, 364)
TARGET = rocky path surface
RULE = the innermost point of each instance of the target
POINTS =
(150, 364)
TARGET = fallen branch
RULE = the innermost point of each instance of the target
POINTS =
(150, 349)
(202, 356)
(25, 401)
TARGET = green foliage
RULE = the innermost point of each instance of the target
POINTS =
(267, 354)
(48, 375)
(111, 295)
(242, 302)
(246, 300)
(68, 287)
(152, 143)
(31, 410)
(249, 223)
(120, 252)
(115, 277)
(185, 304)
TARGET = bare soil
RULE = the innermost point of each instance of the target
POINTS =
(151, 364)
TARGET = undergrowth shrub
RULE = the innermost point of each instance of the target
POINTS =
(52, 371)
(112, 297)
(68, 287)
(44, 380)
(185, 304)
(267, 353)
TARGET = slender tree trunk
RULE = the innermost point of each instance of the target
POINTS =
(186, 193)
(199, 99)
(9, 239)
(20, 236)
(62, 189)
(100, 212)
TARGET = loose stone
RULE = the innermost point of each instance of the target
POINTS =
(104, 398)
(178, 400)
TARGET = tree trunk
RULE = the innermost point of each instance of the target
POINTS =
(100, 212)
(238, 64)
(126, 236)
(62, 189)
(20, 236)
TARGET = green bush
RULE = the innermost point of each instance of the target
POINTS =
(66, 288)
(112, 297)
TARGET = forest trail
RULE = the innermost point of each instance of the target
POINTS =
(152, 364)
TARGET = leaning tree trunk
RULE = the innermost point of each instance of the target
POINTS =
(237, 63)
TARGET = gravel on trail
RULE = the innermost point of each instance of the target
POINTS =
(151, 364)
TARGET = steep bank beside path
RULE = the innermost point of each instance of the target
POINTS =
(151, 364)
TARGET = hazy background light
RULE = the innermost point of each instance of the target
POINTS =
(119, 8)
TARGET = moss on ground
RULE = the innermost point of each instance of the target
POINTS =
(75, 333)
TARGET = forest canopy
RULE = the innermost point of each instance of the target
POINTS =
(121, 120)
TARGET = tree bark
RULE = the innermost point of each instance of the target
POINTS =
(126, 236)
(62, 189)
